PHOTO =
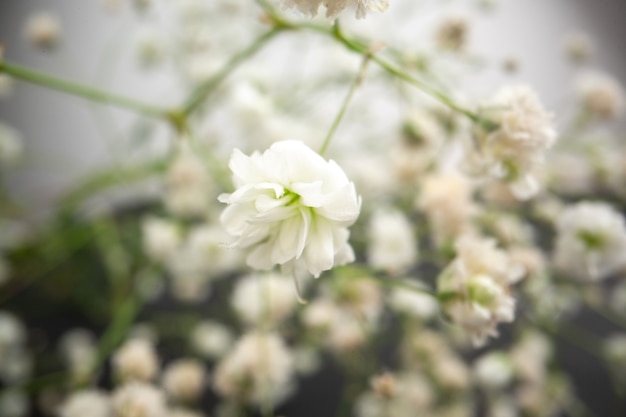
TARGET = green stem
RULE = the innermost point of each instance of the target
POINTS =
(81, 90)
(202, 92)
(358, 80)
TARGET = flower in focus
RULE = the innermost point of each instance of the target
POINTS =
(516, 147)
(292, 207)
(334, 7)
(475, 288)
(591, 241)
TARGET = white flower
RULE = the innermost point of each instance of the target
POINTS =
(161, 238)
(184, 379)
(256, 363)
(137, 399)
(11, 144)
(136, 360)
(189, 187)
(292, 206)
(493, 370)
(87, 402)
(516, 147)
(334, 7)
(452, 33)
(413, 303)
(392, 246)
(78, 349)
(150, 46)
(578, 46)
(476, 289)
(601, 95)
(210, 339)
(260, 297)
(591, 241)
(43, 30)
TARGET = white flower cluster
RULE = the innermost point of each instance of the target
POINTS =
(392, 247)
(335, 7)
(475, 288)
(517, 146)
(292, 207)
(591, 241)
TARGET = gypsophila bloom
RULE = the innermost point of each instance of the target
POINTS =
(578, 47)
(392, 245)
(512, 151)
(476, 288)
(11, 146)
(189, 187)
(335, 7)
(184, 379)
(43, 30)
(150, 46)
(91, 403)
(591, 241)
(260, 297)
(258, 361)
(413, 303)
(210, 339)
(136, 360)
(79, 351)
(161, 238)
(452, 33)
(493, 370)
(292, 207)
(601, 95)
(136, 399)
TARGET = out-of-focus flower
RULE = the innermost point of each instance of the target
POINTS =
(136, 399)
(78, 350)
(259, 365)
(136, 360)
(475, 288)
(10, 144)
(591, 241)
(451, 34)
(513, 150)
(13, 403)
(184, 379)
(150, 46)
(189, 188)
(335, 7)
(43, 30)
(601, 95)
(413, 303)
(264, 298)
(578, 47)
(398, 395)
(161, 238)
(86, 402)
(292, 206)
(211, 339)
(392, 245)
(494, 370)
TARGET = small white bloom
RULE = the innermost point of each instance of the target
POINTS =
(136, 399)
(517, 146)
(87, 402)
(292, 206)
(493, 370)
(211, 339)
(136, 360)
(260, 297)
(43, 30)
(12, 334)
(11, 146)
(189, 187)
(578, 47)
(78, 349)
(335, 7)
(413, 303)
(184, 379)
(161, 238)
(476, 288)
(591, 241)
(150, 46)
(452, 33)
(392, 246)
(601, 95)
(258, 361)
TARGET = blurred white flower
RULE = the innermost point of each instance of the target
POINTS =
(136, 399)
(86, 402)
(413, 303)
(475, 287)
(517, 146)
(292, 206)
(43, 29)
(136, 360)
(335, 7)
(258, 362)
(210, 339)
(601, 95)
(11, 146)
(591, 241)
(451, 34)
(261, 298)
(493, 370)
(78, 350)
(392, 245)
(184, 379)
(578, 47)
(161, 238)
(150, 46)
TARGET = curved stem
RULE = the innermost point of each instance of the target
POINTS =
(358, 80)
(202, 92)
(80, 90)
